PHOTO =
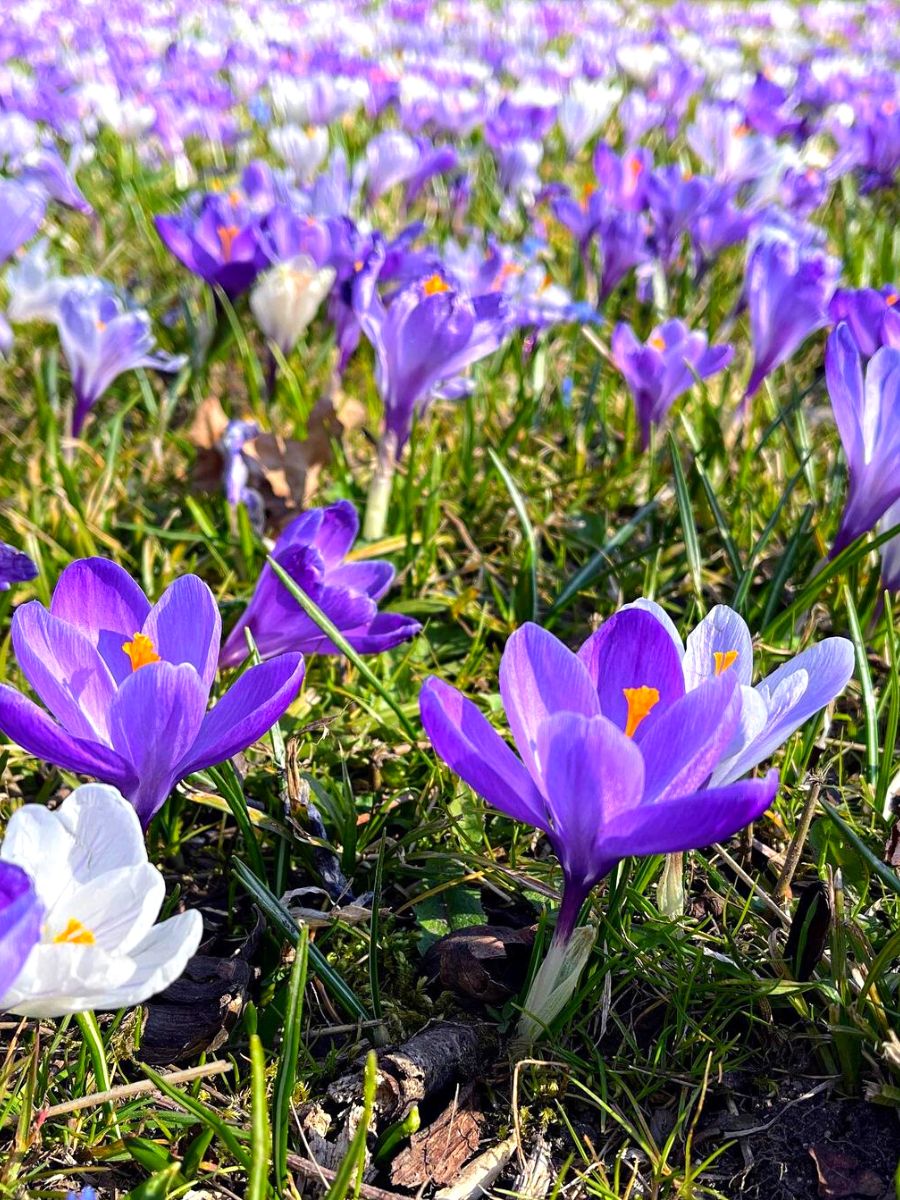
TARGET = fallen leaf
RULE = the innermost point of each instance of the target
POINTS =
(197, 1012)
(487, 963)
(843, 1177)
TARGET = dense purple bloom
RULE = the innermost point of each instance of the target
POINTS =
(660, 370)
(127, 684)
(312, 549)
(614, 754)
(15, 567)
(867, 412)
(675, 200)
(788, 289)
(21, 914)
(622, 179)
(624, 245)
(778, 705)
(424, 338)
(101, 339)
(873, 315)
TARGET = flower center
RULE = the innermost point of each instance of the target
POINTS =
(141, 651)
(434, 285)
(634, 167)
(75, 934)
(100, 325)
(641, 702)
(227, 234)
(724, 659)
(892, 299)
(658, 342)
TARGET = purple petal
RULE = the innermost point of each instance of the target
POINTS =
(103, 601)
(471, 747)
(374, 578)
(683, 747)
(384, 633)
(155, 719)
(722, 631)
(249, 708)
(185, 627)
(633, 649)
(689, 822)
(21, 914)
(31, 728)
(539, 676)
(65, 670)
(337, 533)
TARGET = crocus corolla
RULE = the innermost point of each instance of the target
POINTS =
(99, 946)
(21, 915)
(15, 567)
(127, 684)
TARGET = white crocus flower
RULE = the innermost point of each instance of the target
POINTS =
(287, 297)
(99, 947)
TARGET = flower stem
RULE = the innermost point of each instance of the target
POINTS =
(554, 984)
(670, 890)
(380, 488)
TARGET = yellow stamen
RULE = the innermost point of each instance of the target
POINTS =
(100, 325)
(141, 651)
(742, 130)
(892, 299)
(75, 934)
(227, 234)
(658, 342)
(587, 191)
(234, 198)
(641, 702)
(634, 167)
(724, 659)
(434, 285)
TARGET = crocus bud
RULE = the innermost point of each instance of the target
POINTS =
(286, 298)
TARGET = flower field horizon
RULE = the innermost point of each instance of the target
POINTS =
(449, 539)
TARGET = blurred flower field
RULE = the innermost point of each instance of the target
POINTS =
(449, 538)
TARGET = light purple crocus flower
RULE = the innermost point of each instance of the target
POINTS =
(102, 338)
(127, 684)
(15, 567)
(312, 549)
(663, 368)
(778, 705)
(21, 914)
(867, 413)
(21, 214)
(788, 288)
(220, 241)
(614, 755)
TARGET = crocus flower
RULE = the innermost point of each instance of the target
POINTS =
(788, 288)
(102, 338)
(99, 947)
(614, 755)
(15, 567)
(21, 214)
(285, 299)
(127, 684)
(312, 549)
(663, 368)
(867, 413)
(778, 705)
(21, 915)
(220, 241)
(585, 110)
(873, 315)
(304, 150)
(890, 550)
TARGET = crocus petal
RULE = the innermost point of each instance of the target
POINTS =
(722, 632)
(103, 601)
(154, 721)
(249, 708)
(632, 650)
(661, 615)
(682, 748)
(540, 676)
(844, 377)
(471, 747)
(793, 693)
(692, 821)
(138, 892)
(65, 670)
(20, 923)
(32, 729)
(384, 633)
(337, 532)
(373, 578)
(185, 627)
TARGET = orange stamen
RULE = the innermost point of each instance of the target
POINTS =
(892, 299)
(141, 651)
(658, 342)
(634, 166)
(724, 659)
(234, 198)
(742, 130)
(100, 325)
(75, 934)
(227, 234)
(434, 285)
(641, 702)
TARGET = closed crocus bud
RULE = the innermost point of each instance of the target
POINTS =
(287, 297)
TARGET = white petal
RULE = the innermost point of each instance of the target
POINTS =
(37, 842)
(61, 979)
(105, 829)
(118, 907)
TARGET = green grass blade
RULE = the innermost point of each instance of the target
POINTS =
(286, 1077)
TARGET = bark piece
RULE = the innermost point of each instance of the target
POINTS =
(197, 1012)
(487, 963)
(480, 1173)
(437, 1154)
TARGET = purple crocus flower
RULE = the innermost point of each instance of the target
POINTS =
(867, 413)
(873, 315)
(312, 549)
(675, 199)
(788, 289)
(663, 368)
(21, 214)
(127, 684)
(15, 567)
(778, 705)
(102, 338)
(614, 755)
(427, 336)
(220, 241)
(21, 914)
(624, 245)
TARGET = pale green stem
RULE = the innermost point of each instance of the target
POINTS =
(380, 488)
